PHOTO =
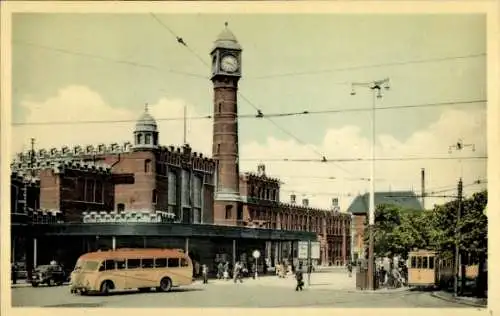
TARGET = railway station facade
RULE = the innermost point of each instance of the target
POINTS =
(71, 200)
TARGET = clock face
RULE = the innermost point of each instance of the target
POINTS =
(229, 63)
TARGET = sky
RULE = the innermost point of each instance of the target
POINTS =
(100, 67)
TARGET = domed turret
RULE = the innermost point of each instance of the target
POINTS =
(146, 132)
(227, 40)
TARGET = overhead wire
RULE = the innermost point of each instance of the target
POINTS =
(258, 116)
(110, 59)
(400, 63)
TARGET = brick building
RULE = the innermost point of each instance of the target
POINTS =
(359, 210)
(145, 176)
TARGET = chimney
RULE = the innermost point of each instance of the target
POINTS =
(305, 202)
(261, 169)
(292, 198)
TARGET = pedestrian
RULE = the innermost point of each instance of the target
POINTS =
(14, 273)
(226, 271)
(237, 273)
(204, 271)
(299, 276)
(382, 273)
(254, 270)
(220, 270)
(349, 269)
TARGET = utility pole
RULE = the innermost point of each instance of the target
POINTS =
(457, 235)
(376, 88)
(423, 187)
(459, 257)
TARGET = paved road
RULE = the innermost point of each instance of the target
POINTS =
(265, 292)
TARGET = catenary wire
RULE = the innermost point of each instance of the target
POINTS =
(110, 59)
(254, 116)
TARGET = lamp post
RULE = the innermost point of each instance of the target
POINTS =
(459, 146)
(376, 88)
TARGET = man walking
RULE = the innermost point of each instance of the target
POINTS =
(299, 276)
(204, 271)
(237, 273)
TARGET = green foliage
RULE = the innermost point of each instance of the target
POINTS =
(397, 231)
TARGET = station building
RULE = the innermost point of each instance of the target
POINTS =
(67, 201)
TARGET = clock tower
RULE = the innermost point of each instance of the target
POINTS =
(226, 72)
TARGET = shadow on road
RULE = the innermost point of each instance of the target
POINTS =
(137, 292)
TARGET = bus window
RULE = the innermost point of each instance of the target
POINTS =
(109, 264)
(173, 262)
(160, 263)
(431, 262)
(413, 262)
(419, 262)
(133, 263)
(147, 263)
(424, 263)
(120, 264)
(184, 263)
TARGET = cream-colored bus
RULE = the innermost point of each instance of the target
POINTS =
(124, 269)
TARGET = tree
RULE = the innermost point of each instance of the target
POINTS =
(387, 219)
(473, 225)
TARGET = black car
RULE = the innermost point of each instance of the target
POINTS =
(49, 274)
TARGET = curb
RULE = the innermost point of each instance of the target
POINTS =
(381, 292)
(457, 300)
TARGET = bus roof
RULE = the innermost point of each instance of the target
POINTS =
(133, 253)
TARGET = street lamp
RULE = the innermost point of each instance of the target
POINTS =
(459, 146)
(376, 87)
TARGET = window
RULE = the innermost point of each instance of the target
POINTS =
(160, 263)
(413, 262)
(154, 197)
(109, 265)
(89, 190)
(147, 165)
(120, 207)
(220, 107)
(98, 192)
(228, 211)
(218, 148)
(184, 262)
(424, 263)
(133, 263)
(148, 139)
(120, 264)
(431, 262)
(155, 139)
(147, 263)
(173, 262)
(139, 138)
(419, 262)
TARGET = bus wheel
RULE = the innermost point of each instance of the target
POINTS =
(106, 286)
(165, 285)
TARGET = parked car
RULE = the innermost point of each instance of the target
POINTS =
(49, 274)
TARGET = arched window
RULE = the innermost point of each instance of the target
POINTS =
(218, 148)
(147, 165)
(139, 139)
(220, 107)
(148, 139)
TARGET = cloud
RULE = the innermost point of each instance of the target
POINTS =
(306, 179)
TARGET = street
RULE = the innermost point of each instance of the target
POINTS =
(333, 289)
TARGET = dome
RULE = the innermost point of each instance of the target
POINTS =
(226, 39)
(146, 122)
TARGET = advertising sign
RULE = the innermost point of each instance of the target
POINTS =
(315, 254)
(303, 247)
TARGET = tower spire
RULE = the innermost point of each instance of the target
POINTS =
(146, 107)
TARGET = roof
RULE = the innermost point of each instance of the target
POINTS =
(405, 199)
(133, 253)
(226, 39)
(146, 122)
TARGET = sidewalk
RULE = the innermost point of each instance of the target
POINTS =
(471, 301)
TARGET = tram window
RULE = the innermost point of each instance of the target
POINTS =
(431, 262)
(133, 263)
(147, 263)
(160, 263)
(413, 262)
(120, 264)
(419, 262)
(424, 263)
